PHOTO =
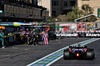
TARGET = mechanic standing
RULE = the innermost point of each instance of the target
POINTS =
(34, 38)
(21, 36)
(45, 36)
(27, 36)
(2, 38)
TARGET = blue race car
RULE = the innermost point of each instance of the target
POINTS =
(78, 52)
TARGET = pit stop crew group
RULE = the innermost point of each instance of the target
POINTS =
(31, 37)
(27, 37)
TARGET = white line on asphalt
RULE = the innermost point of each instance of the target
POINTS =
(62, 55)
(54, 61)
(53, 53)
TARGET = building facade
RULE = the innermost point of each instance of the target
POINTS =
(57, 7)
(46, 4)
(22, 10)
(95, 4)
(62, 6)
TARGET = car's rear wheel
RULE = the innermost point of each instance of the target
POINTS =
(90, 55)
(66, 54)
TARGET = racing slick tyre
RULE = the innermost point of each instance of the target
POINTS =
(66, 54)
(84, 46)
(90, 55)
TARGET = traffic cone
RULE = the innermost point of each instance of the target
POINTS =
(59, 41)
(76, 36)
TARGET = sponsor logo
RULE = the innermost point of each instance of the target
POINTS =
(66, 34)
(93, 35)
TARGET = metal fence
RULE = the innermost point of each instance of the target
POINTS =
(79, 26)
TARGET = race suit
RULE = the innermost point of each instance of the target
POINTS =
(2, 38)
(45, 36)
(27, 37)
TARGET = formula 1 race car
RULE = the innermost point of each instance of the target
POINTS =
(78, 52)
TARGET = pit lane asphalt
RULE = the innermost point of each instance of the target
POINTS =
(21, 55)
(75, 62)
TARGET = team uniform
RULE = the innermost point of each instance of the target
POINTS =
(45, 37)
(2, 38)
